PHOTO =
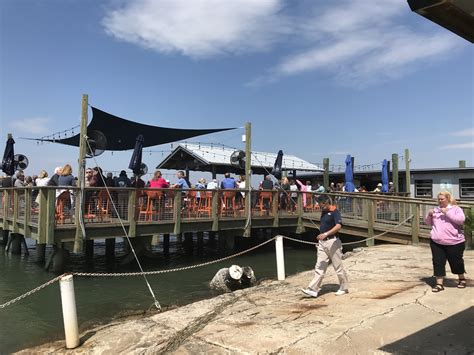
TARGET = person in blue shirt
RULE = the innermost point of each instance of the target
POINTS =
(228, 182)
(182, 183)
(329, 249)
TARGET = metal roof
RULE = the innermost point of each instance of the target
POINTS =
(202, 157)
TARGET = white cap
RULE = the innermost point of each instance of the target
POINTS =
(235, 271)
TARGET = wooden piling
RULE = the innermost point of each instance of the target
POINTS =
(110, 249)
(16, 243)
(40, 253)
(166, 244)
(89, 250)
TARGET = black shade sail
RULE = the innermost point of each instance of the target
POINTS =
(121, 134)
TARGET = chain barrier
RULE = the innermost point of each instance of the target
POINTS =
(87, 274)
(26, 294)
(157, 272)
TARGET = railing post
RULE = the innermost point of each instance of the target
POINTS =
(26, 222)
(299, 212)
(415, 223)
(15, 211)
(177, 211)
(132, 212)
(275, 205)
(371, 207)
(6, 201)
(68, 301)
(215, 210)
(280, 258)
(50, 215)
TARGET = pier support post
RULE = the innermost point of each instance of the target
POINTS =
(188, 243)
(200, 239)
(212, 237)
(280, 258)
(4, 240)
(40, 253)
(109, 249)
(59, 260)
(89, 249)
(16, 243)
(155, 240)
(68, 301)
(166, 244)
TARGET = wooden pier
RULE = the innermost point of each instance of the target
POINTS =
(48, 214)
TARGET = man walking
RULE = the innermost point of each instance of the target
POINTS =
(329, 249)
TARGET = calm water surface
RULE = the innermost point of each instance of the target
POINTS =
(38, 318)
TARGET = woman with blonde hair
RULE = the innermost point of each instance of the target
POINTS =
(65, 177)
(447, 239)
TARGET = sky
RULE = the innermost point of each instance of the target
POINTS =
(317, 79)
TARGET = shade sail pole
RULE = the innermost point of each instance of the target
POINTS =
(248, 178)
(81, 162)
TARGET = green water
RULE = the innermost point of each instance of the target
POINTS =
(38, 318)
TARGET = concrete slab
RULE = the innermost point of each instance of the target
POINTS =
(390, 309)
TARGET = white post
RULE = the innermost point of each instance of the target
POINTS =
(280, 258)
(68, 301)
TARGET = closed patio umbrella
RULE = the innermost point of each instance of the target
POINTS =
(276, 171)
(384, 176)
(8, 161)
(349, 177)
(136, 161)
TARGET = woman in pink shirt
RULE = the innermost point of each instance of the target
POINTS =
(158, 182)
(447, 239)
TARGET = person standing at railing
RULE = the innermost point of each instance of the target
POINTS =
(447, 239)
(329, 249)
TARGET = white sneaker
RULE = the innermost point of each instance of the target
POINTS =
(309, 292)
(341, 292)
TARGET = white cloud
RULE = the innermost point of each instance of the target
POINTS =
(357, 42)
(200, 28)
(362, 42)
(35, 125)
(468, 145)
(469, 132)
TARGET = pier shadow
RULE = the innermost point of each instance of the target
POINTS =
(449, 336)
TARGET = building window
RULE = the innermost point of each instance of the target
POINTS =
(424, 188)
(466, 188)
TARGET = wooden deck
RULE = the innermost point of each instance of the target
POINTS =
(40, 215)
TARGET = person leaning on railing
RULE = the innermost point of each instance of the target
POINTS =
(447, 239)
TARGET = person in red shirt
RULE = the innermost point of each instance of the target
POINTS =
(158, 182)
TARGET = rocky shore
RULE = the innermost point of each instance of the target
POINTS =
(390, 309)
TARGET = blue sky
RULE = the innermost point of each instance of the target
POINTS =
(316, 78)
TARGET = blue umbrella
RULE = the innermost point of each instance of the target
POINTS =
(8, 161)
(136, 161)
(384, 176)
(349, 187)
